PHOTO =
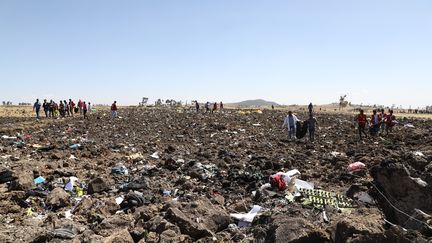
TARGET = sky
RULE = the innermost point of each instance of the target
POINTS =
(291, 52)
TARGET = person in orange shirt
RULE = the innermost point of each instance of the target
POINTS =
(362, 122)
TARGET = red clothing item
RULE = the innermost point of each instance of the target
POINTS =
(84, 106)
(361, 119)
(277, 180)
(389, 119)
(113, 107)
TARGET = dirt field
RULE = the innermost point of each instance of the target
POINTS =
(187, 172)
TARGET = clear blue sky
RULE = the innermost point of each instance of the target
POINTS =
(291, 52)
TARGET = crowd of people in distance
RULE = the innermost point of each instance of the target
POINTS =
(62, 109)
(208, 108)
(65, 109)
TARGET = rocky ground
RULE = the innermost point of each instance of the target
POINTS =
(167, 175)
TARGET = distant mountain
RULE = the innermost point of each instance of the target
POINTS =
(255, 103)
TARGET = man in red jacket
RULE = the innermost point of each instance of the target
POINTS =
(361, 121)
(71, 107)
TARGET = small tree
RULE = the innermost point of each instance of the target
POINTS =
(342, 102)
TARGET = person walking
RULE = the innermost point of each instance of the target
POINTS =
(114, 110)
(290, 123)
(36, 107)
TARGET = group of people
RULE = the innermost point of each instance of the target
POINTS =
(295, 127)
(208, 108)
(62, 109)
(379, 123)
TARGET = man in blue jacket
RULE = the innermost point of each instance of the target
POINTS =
(36, 107)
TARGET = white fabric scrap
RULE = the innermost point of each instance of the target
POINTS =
(299, 184)
(246, 217)
(287, 175)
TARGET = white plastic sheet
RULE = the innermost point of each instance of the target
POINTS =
(245, 219)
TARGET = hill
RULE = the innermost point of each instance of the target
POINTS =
(255, 103)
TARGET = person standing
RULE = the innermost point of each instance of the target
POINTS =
(51, 109)
(312, 124)
(197, 106)
(36, 107)
(80, 106)
(114, 110)
(390, 121)
(62, 109)
(214, 107)
(71, 107)
(290, 123)
(310, 107)
(207, 107)
(382, 123)
(376, 122)
(361, 122)
(221, 106)
(45, 106)
(89, 107)
(84, 108)
(56, 109)
(66, 105)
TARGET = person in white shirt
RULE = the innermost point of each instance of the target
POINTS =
(290, 123)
